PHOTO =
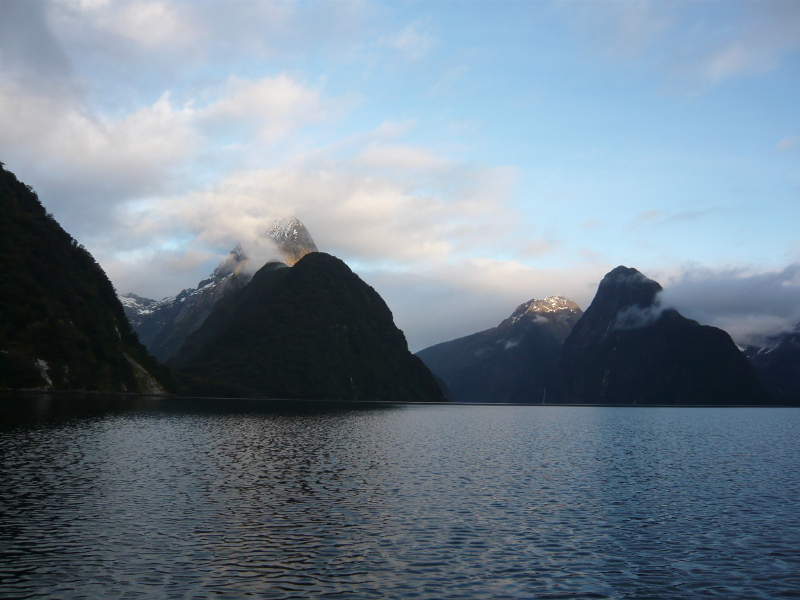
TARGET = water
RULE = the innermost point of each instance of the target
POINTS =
(109, 498)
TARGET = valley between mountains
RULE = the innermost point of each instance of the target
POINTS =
(304, 325)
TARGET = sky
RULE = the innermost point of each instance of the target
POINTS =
(461, 157)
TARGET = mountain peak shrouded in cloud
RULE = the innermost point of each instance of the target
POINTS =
(750, 306)
(314, 330)
(163, 325)
(625, 349)
(292, 238)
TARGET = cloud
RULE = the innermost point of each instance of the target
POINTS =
(660, 217)
(398, 156)
(270, 107)
(392, 214)
(787, 143)
(764, 36)
(149, 23)
(28, 49)
(534, 249)
(90, 164)
(620, 30)
(748, 305)
(413, 43)
(437, 302)
(590, 224)
(692, 49)
(648, 216)
(636, 317)
(84, 159)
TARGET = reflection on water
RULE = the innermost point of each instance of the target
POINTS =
(104, 497)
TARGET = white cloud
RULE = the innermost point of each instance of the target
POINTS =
(412, 42)
(90, 159)
(151, 24)
(351, 211)
(88, 163)
(271, 106)
(402, 157)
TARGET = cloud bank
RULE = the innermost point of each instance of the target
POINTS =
(750, 306)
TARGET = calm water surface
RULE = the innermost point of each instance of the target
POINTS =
(148, 498)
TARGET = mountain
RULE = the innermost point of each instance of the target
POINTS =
(626, 349)
(777, 365)
(163, 325)
(61, 326)
(292, 238)
(314, 330)
(514, 362)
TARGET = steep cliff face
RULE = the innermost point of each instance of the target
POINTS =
(315, 330)
(61, 324)
(626, 349)
(514, 362)
(163, 325)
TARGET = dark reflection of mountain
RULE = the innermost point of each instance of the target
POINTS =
(62, 326)
(514, 362)
(163, 325)
(626, 350)
(314, 330)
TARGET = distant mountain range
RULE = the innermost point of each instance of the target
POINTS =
(625, 349)
(163, 325)
(308, 327)
(514, 362)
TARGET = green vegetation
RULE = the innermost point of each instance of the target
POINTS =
(61, 324)
(315, 330)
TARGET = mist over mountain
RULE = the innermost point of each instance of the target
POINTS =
(314, 330)
(163, 325)
(777, 364)
(61, 324)
(628, 349)
(514, 362)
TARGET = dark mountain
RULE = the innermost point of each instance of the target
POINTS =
(61, 325)
(626, 349)
(314, 330)
(777, 365)
(163, 325)
(513, 362)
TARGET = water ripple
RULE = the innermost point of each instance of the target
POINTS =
(105, 498)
